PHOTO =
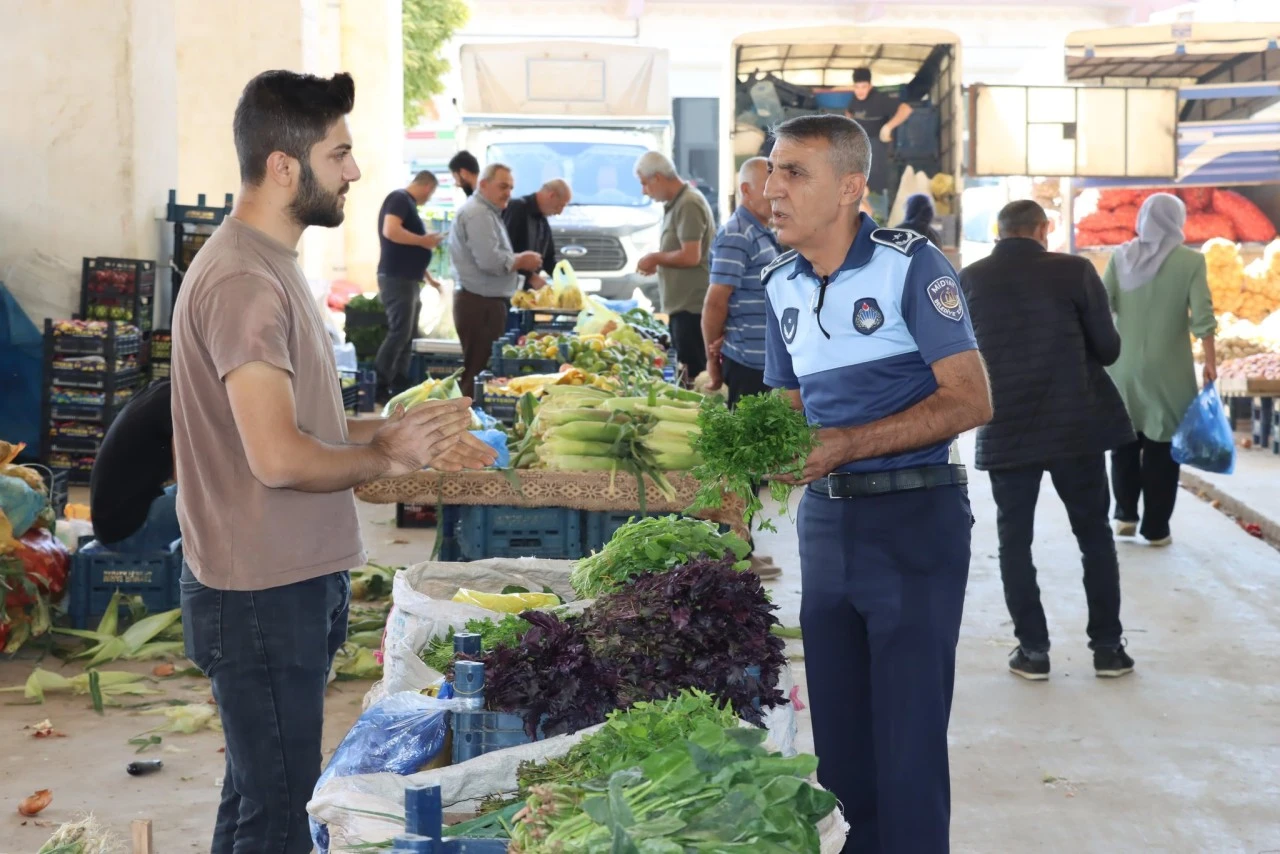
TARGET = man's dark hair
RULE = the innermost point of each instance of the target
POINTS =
(464, 160)
(850, 145)
(427, 177)
(288, 112)
(1020, 219)
(862, 75)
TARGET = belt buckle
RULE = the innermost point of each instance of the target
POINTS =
(831, 486)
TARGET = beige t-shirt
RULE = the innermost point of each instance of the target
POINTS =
(245, 299)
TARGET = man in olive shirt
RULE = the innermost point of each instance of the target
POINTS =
(267, 460)
(683, 262)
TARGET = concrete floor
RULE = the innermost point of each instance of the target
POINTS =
(1182, 756)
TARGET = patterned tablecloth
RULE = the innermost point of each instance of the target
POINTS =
(595, 491)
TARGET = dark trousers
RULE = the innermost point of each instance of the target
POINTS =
(402, 299)
(883, 581)
(1081, 483)
(480, 321)
(686, 337)
(741, 380)
(1145, 469)
(267, 654)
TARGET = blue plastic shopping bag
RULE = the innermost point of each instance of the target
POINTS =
(1204, 439)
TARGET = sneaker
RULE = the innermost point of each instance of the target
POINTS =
(764, 567)
(1029, 665)
(1110, 663)
(1126, 529)
(1161, 542)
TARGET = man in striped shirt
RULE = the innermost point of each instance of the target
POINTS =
(733, 314)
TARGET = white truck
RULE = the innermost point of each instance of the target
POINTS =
(583, 112)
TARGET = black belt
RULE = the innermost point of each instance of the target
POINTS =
(856, 485)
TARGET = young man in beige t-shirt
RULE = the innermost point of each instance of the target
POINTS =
(267, 459)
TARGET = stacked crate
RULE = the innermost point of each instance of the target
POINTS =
(91, 371)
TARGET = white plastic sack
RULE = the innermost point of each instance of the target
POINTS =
(348, 805)
(421, 609)
(344, 803)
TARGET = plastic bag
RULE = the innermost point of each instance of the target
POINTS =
(1204, 439)
(421, 609)
(506, 603)
(20, 503)
(497, 440)
(399, 735)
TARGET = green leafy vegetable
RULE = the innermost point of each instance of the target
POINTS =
(719, 790)
(763, 436)
(628, 736)
(653, 544)
(438, 654)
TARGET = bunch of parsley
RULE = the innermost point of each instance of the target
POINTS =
(763, 436)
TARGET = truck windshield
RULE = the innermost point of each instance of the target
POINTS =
(599, 173)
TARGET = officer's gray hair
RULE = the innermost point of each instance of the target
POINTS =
(652, 164)
(1020, 219)
(849, 143)
(491, 171)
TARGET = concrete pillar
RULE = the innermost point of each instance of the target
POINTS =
(372, 53)
(86, 150)
(220, 47)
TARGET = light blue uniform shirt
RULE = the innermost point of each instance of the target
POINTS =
(890, 311)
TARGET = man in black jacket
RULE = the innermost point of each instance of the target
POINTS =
(527, 226)
(1044, 326)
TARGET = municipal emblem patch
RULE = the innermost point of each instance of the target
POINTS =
(867, 316)
(944, 293)
(789, 323)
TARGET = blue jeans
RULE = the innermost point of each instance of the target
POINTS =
(158, 531)
(882, 593)
(267, 654)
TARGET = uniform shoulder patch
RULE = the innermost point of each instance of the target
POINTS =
(944, 293)
(781, 260)
(904, 240)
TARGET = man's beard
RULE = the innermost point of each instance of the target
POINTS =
(313, 204)
(467, 187)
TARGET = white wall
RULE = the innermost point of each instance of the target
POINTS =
(82, 140)
(109, 104)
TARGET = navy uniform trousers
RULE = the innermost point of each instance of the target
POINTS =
(883, 592)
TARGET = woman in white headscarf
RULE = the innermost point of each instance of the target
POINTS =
(1159, 292)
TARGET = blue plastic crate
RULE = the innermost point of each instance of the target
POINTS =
(478, 733)
(97, 575)
(436, 366)
(484, 531)
(500, 406)
(543, 320)
(425, 830)
(599, 527)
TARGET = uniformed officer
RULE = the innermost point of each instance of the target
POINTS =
(868, 331)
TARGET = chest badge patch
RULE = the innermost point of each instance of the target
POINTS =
(790, 323)
(944, 293)
(867, 316)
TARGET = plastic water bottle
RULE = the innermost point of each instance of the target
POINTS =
(468, 683)
(466, 643)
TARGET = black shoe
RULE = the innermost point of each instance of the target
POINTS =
(1111, 662)
(1029, 665)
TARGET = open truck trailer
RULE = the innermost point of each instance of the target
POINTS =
(583, 112)
(778, 74)
(953, 131)
(1227, 79)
